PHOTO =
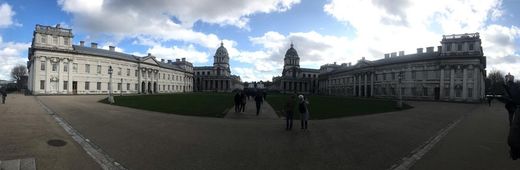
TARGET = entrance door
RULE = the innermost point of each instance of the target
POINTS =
(437, 93)
(74, 87)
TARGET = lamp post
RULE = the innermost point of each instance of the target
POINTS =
(400, 102)
(110, 97)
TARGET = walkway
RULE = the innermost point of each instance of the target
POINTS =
(25, 129)
(149, 140)
(266, 112)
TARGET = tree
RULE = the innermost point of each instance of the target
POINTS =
(17, 73)
(495, 81)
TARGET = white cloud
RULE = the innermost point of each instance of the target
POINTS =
(189, 52)
(11, 55)
(250, 74)
(6, 16)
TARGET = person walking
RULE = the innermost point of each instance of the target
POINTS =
(289, 112)
(489, 98)
(237, 101)
(304, 111)
(258, 100)
(4, 94)
(243, 101)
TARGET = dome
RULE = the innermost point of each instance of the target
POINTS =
(222, 51)
(291, 53)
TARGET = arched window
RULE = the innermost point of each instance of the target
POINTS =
(218, 71)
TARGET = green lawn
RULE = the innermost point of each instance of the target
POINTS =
(194, 104)
(324, 107)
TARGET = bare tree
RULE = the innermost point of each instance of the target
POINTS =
(17, 73)
(495, 80)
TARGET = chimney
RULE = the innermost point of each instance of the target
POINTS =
(183, 59)
(394, 54)
(429, 49)
(93, 45)
(387, 56)
(149, 54)
(439, 48)
(162, 60)
(177, 60)
(169, 61)
(419, 50)
(111, 48)
(349, 64)
(401, 53)
(82, 43)
(334, 63)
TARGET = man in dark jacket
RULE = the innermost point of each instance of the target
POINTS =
(4, 94)
(237, 102)
(512, 103)
(289, 112)
(258, 100)
(243, 101)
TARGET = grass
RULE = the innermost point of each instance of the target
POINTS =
(325, 107)
(193, 104)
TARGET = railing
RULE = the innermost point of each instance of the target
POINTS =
(456, 36)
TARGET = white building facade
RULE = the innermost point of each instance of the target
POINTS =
(454, 72)
(56, 66)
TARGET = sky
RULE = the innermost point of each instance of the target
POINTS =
(257, 33)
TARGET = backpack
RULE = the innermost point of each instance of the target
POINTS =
(302, 107)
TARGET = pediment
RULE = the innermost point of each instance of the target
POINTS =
(151, 61)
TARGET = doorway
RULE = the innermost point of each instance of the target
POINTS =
(437, 91)
(74, 87)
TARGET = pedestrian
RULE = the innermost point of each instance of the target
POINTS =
(304, 111)
(4, 94)
(513, 101)
(258, 100)
(289, 112)
(243, 101)
(237, 100)
(489, 100)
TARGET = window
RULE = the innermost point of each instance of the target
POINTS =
(425, 75)
(384, 76)
(127, 86)
(75, 67)
(448, 47)
(393, 76)
(44, 39)
(208, 73)
(414, 91)
(470, 92)
(42, 65)
(425, 91)
(65, 67)
(136, 73)
(118, 86)
(414, 75)
(135, 88)
(65, 85)
(98, 70)
(446, 92)
(168, 77)
(55, 40)
(54, 66)
(402, 91)
(127, 72)
(458, 92)
(459, 46)
(87, 68)
(87, 85)
(471, 46)
(66, 41)
(119, 71)
(163, 76)
(98, 85)
(42, 84)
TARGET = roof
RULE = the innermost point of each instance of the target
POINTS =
(203, 68)
(105, 53)
(310, 70)
(291, 53)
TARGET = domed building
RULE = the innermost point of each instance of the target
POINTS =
(218, 77)
(295, 79)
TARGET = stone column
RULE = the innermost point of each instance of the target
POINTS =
(475, 82)
(353, 85)
(366, 86)
(70, 72)
(47, 74)
(441, 84)
(60, 74)
(464, 84)
(371, 84)
(139, 79)
(452, 83)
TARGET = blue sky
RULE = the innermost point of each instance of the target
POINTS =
(258, 32)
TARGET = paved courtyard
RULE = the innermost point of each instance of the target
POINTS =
(141, 139)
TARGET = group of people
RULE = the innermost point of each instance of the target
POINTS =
(303, 108)
(241, 101)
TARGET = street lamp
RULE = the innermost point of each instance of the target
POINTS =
(400, 102)
(110, 97)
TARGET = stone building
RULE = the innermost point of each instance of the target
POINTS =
(454, 72)
(218, 77)
(56, 66)
(295, 79)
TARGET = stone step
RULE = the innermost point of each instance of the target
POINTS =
(18, 164)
